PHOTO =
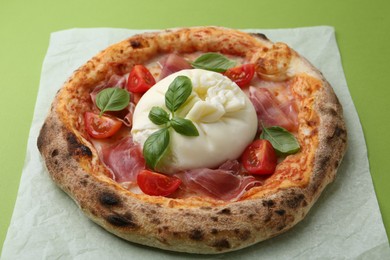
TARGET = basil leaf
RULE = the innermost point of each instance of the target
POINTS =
(112, 99)
(178, 92)
(184, 126)
(158, 116)
(214, 62)
(282, 140)
(155, 147)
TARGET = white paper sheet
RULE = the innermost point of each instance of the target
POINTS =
(344, 224)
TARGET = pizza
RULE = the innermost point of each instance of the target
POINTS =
(202, 140)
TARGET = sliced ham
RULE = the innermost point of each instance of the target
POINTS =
(123, 158)
(173, 63)
(225, 183)
(113, 81)
(270, 112)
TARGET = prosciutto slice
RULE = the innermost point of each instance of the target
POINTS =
(173, 63)
(123, 158)
(225, 183)
(113, 81)
(270, 112)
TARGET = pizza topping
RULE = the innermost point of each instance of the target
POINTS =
(156, 184)
(123, 158)
(157, 143)
(113, 81)
(140, 79)
(173, 63)
(269, 111)
(112, 99)
(241, 75)
(225, 183)
(259, 157)
(155, 147)
(116, 81)
(214, 62)
(99, 126)
(187, 104)
(283, 141)
(214, 105)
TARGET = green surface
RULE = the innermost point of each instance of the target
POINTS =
(362, 30)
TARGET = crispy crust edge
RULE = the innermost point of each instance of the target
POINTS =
(194, 228)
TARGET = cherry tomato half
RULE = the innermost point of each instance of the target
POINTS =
(259, 157)
(140, 79)
(156, 184)
(241, 75)
(101, 126)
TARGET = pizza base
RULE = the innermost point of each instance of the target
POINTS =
(194, 225)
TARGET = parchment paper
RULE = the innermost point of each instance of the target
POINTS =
(344, 224)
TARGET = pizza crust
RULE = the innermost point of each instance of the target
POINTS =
(194, 225)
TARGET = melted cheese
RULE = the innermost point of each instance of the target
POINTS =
(225, 118)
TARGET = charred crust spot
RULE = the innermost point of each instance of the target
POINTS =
(84, 182)
(330, 111)
(243, 235)
(41, 137)
(54, 153)
(196, 234)
(225, 211)
(221, 244)
(279, 228)
(109, 199)
(76, 148)
(84, 150)
(188, 214)
(295, 201)
(280, 212)
(135, 44)
(338, 131)
(121, 221)
(215, 219)
(323, 162)
(268, 203)
(93, 212)
(155, 221)
(214, 231)
(162, 229)
(260, 36)
(251, 216)
(267, 217)
(336, 163)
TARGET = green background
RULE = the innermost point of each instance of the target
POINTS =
(362, 31)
